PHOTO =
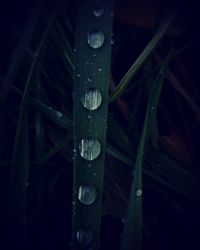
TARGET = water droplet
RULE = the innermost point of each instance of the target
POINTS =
(89, 116)
(89, 79)
(50, 108)
(59, 114)
(91, 99)
(112, 40)
(87, 194)
(100, 69)
(26, 184)
(138, 192)
(84, 236)
(96, 39)
(78, 75)
(75, 50)
(74, 150)
(89, 148)
(94, 55)
(152, 107)
(98, 12)
(89, 165)
(73, 203)
(95, 174)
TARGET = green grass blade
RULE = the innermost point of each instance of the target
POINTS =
(21, 49)
(140, 60)
(132, 234)
(92, 71)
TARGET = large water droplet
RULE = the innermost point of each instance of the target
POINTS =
(138, 192)
(97, 12)
(89, 148)
(84, 236)
(96, 39)
(87, 194)
(91, 99)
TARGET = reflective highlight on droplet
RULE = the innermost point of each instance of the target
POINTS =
(84, 236)
(138, 192)
(89, 148)
(91, 99)
(87, 194)
(98, 12)
(96, 39)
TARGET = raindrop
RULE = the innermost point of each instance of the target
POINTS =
(89, 79)
(91, 99)
(100, 69)
(59, 114)
(96, 39)
(138, 192)
(87, 194)
(98, 12)
(84, 236)
(89, 148)
(112, 40)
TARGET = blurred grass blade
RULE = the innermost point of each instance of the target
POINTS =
(21, 49)
(20, 163)
(133, 228)
(56, 148)
(140, 60)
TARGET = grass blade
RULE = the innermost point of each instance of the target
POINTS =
(140, 60)
(132, 234)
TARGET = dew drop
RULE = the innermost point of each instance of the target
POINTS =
(138, 192)
(98, 12)
(96, 39)
(89, 79)
(59, 114)
(100, 69)
(84, 236)
(87, 194)
(89, 148)
(91, 99)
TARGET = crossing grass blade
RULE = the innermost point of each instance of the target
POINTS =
(132, 234)
(140, 60)
(21, 49)
(17, 206)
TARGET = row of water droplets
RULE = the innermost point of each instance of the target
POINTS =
(90, 148)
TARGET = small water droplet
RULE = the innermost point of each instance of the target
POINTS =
(112, 40)
(91, 99)
(89, 116)
(99, 69)
(94, 55)
(96, 39)
(89, 165)
(89, 148)
(138, 192)
(89, 79)
(84, 236)
(26, 184)
(50, 108)
(59, 114)
(78, 75)
(74, 150)
(95, 174)
(73, 203)
(98, 12)
(75, 50)
(152, 107)
(87, 194)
